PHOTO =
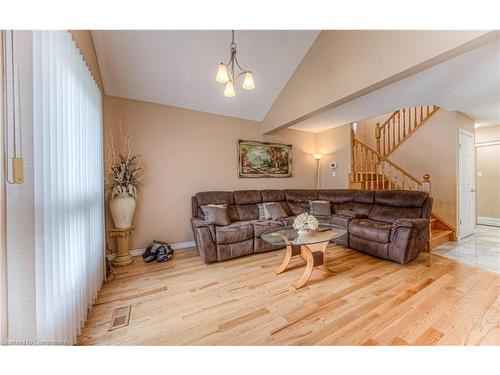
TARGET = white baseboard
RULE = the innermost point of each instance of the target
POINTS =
(139, 252)
(488, 221)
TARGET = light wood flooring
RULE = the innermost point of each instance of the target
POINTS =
(432, 300)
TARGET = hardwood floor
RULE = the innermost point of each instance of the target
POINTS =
(432, 300)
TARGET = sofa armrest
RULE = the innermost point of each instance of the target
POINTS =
(351, 214)
(200, 223)
(411, 223)
(204, 236)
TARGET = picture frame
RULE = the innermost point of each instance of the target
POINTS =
(262, 159)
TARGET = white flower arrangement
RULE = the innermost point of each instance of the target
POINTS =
(305, 222)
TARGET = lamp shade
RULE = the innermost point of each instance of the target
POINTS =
(318, 156)
(222, 74)
(248, 83)
(229, 90)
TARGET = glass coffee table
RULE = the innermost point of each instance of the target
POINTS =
(310, 246)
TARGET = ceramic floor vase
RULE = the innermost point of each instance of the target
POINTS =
(122, 209)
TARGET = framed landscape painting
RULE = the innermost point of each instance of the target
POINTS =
(259, 159)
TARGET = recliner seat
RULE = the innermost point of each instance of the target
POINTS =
(390, 224)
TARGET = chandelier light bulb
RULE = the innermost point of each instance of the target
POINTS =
(222, 74)
(248, 83)
(230, 73)
(229, 90)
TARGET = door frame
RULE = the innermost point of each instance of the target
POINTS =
(483, 220)
(474, 208)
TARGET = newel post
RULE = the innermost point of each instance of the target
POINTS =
(377, 136)
(426, 184)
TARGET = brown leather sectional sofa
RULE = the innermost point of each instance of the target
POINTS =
(389, 224)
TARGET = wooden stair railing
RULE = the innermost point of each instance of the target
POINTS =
(374, 171)
(400, 125)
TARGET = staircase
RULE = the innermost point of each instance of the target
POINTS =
(372, 169)
(400, 126)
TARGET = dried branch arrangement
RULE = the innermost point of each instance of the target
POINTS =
(125, 170)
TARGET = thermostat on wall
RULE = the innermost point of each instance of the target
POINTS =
(333, 165)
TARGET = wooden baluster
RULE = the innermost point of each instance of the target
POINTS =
(409, 119)
(383, 139)
(421, 113)
(427, 111)
(415, 119)
(376, 175)
(399, 127)
(372, 171)
(403, 182)
(353, 157)
(404, 123)
(393, 125)
(377, 136)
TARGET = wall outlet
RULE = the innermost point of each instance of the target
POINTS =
(334, 174)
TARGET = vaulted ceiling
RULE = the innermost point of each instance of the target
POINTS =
(469, 83)
(178, 68)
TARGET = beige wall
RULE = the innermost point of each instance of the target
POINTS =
(85, 43)
(342, 63)
(488, 173)
(431, 149)
(335, 146)
(185, 152)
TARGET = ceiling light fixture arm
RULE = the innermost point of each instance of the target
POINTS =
(234, 60)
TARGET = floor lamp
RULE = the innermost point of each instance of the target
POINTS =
(318, 158)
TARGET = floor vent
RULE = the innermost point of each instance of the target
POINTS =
(120, 318)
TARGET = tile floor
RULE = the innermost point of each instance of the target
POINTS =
(482, 249)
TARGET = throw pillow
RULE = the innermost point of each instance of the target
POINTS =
(275, 210)
(216, 214)
(262, 212)
(320, 208)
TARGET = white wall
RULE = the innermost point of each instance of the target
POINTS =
(3, 244)
(20, 215)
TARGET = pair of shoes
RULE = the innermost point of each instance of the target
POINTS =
(158, 250)
(164, 253)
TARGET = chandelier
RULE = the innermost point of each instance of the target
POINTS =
(226, 73)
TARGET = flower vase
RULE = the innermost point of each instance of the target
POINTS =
(122, 209)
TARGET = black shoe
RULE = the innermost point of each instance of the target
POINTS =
(164, 254)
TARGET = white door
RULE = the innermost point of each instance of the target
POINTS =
(467, 214)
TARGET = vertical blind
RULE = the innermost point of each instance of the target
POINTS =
(68, 186)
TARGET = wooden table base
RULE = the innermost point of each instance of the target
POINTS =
(312, 254)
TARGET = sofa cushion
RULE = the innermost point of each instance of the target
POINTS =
(297, 208)
(337, 195)
(260, 227)
(215, 197)
(301, 195)
(398, 198)
(272, 195)
(247, 212)
(235, 232)
(370, 230)
(247, 197)
(340, 220)
(204, 209)
(274, 211)
(287, 221)
(320, 208)
(389, 214)
(216, 214)
(364, 196)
